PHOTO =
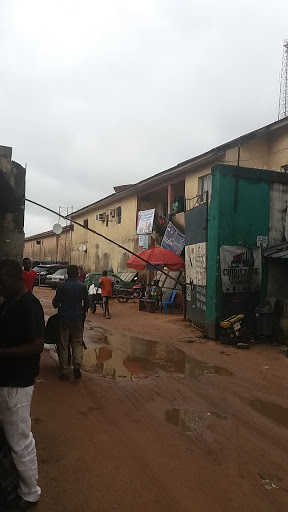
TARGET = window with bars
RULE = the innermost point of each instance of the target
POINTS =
(118, 215)
(205, 187)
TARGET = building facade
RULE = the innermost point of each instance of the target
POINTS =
(49, 247)
(12, 203)
(114, 217)
(190, 182)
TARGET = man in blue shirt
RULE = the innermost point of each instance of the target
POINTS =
(72, 301)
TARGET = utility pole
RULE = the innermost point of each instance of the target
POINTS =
(65, 211)
(283, 96)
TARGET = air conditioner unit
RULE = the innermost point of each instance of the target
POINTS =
(101, 216)
(112, 213)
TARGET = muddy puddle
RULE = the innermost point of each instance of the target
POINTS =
(190, 420)
(127, 358)
(272, 411)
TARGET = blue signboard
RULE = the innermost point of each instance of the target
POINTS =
(173, 239)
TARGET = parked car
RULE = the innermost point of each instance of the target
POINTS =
(45, 270)
(94, 277)
(58, 277)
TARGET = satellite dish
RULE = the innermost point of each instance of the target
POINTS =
(82, 248)
(57, 229)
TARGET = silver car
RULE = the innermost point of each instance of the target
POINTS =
(58, 277)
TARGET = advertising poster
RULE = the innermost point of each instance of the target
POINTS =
(195, 264)
(241, 269)
(145, 222)
(173, 239)
(143, 242)
(195, 258)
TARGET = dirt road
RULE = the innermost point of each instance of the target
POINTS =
(178, 424)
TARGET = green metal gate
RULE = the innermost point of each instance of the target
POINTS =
(196, 222)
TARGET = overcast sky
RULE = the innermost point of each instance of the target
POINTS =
(96, 94)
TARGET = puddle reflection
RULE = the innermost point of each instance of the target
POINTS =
(130, 358)
(272, 411)
(189, 420)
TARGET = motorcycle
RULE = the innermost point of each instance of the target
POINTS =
(123, 295)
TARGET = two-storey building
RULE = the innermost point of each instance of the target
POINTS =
(190, 182)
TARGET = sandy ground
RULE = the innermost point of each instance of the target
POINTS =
(178, 424)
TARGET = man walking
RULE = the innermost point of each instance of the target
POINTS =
(105, 284)
(21, 343)
(72, 301)
(28, 274)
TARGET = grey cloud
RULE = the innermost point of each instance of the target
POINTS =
(95, 95)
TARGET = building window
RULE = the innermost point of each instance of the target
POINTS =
(38, 242)
(107, 220)
(205, 187)
(85, 223)
(118, 215)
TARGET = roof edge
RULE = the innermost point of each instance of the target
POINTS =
(182, 166)
(46, 233)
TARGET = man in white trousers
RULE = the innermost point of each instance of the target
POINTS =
(21, 343)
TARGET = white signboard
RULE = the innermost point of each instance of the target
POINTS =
(145, 222)
(241, 269)
(262, 241)
(195, 260)
(143, 242)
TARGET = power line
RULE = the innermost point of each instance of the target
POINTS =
(253, 157)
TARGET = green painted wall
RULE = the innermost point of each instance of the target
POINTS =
(239, 211)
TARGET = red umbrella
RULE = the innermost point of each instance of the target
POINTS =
(157, 257)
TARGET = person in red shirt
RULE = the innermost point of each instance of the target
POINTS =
(81, 274)
(28, 275)
(105, 283)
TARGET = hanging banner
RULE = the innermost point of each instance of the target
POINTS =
(145, 222)
(143, 242)
(173, 239)
(241, 269)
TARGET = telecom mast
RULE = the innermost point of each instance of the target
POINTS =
(283, 97)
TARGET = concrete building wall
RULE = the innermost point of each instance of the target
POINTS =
(278, 150)
(253, 153)
(49, 247)
(269, 151)
(278, 230)
(12, 200)
(101, 254)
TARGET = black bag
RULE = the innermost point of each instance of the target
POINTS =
(52, 330)
(9, 479)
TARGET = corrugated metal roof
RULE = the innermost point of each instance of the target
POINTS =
(126, 276)
(277, 251)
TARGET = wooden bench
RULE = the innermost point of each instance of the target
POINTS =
(147, 305)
